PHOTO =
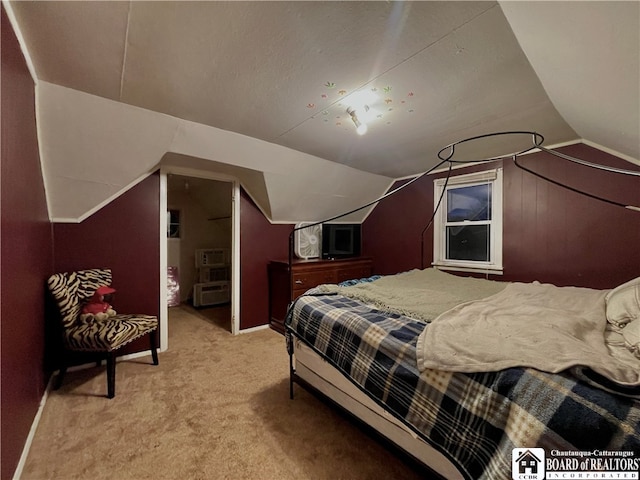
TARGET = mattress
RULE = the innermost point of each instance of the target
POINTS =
(475, 420)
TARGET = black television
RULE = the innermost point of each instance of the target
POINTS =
(340, 240)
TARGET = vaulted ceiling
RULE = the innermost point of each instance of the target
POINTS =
(260, 91)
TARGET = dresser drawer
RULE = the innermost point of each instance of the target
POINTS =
(297, 292)
(289, 280)
(351, 273)
(307, 280)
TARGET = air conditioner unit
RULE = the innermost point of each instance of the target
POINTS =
(214, 274)
(208, 257)
(212, 293)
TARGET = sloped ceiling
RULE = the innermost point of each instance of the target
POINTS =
(587, 55)
(263, 87)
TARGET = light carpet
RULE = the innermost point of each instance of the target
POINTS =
(217, 407)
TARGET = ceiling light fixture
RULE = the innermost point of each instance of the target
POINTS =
(361, 128)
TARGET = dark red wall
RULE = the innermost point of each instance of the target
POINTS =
(26, 254)
(260, 242)
(563, 237)
(550, 234)
(125, 237)
(391, 234)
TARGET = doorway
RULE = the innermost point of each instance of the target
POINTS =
(199, 246)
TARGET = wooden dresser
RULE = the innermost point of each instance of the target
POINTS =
(285, 286)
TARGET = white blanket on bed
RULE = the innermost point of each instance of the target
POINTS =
(420, 294)
(526, 325)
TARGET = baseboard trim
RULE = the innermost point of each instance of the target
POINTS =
(253, 329)
(32, 432)
(123, 358)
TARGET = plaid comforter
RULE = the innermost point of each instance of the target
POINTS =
(474, 419)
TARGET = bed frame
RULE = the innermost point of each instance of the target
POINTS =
(307, 368)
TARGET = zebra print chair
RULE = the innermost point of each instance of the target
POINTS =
(71, 290)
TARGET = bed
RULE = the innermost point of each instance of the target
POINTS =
(414, 356)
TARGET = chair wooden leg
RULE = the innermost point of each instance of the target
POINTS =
(63, 369)
(154, 352)
(111, 375)
(58, 382)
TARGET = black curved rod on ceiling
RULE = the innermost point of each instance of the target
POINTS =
(589, 164)
(537, 141)
(573, 189)
(537, 138)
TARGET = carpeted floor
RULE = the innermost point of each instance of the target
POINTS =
(217, 407)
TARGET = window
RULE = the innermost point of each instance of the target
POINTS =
(468, 225)
(173, 223)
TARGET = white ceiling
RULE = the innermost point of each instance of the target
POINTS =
(196, 79)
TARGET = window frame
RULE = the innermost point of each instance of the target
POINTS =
(494, 265)
(170, 224)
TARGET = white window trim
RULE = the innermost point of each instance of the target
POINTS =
(180, 223)
(439, 242)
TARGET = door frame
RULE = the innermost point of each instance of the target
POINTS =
(235, 246)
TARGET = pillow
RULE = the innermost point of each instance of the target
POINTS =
(623, 303)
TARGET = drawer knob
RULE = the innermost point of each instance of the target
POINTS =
(298, 282)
